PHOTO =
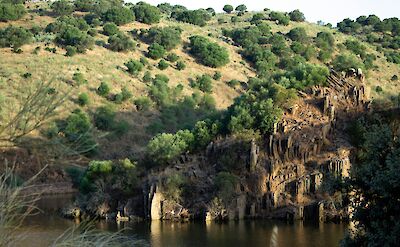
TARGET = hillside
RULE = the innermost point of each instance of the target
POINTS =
(223, 115)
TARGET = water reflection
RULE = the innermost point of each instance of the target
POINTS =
(43, 229)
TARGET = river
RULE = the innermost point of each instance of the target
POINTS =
(42, 229)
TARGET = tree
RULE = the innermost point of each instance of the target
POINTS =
(62, 7)
(163, 65)
(120, 42)
(298, 34)
(156, 51)
(375, 184)
(72, 36)
(168, 37)
(11, 12)
(197, 17)
(241, 8)
(119, 15)
(345, 62)
(297, 15)
(228, 8)
(83, 99)
(146, 13)
(280, 18)
(103, 89)
(104, 118)
(180, 65)
(134, 67)
(208, 53)
(166, 147)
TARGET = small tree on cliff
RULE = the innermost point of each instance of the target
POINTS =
(228, 8)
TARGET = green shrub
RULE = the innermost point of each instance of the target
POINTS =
(63, 22)
(103, 89)
(172, 57)
(144, 61)
(120, 42)
(378, 89)
(62, 7)
(83, 99)
(225, 184)
(257, 18)
(142, 103)
(172, 188)
(180, 65)
(134, 67)
(235, 19)
(104, 118)
(228, 8)
(298, 34)
(163, 148)
(208, 53)
(124, 95)
(297, 15)
(345, 62)
(168, 37)
(204, 132)
(196, 17)
(233, 83)
(162, 65)
(217, 76)
(71, 51)
(146, 13)
(14, 37)
(393, 57)
(279, 18)
(325, 40)
(156, 51)
(72, 36)
(79, 78)
(147, 77)
(241, 8)
(356, 47)
(204, 83)
(110, 29)
(119, 15)
(11, 12)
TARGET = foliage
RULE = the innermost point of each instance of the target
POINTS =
(204, 132)
(118, 15)
(79, 78)
(166, 147)
(163, 65)
(142, 103)
(124, 95)
(104, 118)
(374, 184)
(14, 37)
(103, 89)
(83, 99)
(241, 8)
(64, 22)
(156, 51)
(72, 36)
(297, 15)
(298, 34)
(110, 29)
(393, 57)
(11, 12)
(120, 42)
(180, 65)
(228, 8)
(345, 62)
(172, 57)
(217, 76)
(62, 7)
(225, 184)
(207, 52)
(204, 83)
(280, 18)
(197, 17)
(146, 13)
(134, 67)
(356, 47)
(168, 37)
(172, 187)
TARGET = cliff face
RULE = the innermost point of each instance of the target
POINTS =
(281, 175)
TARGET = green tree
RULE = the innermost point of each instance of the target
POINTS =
(298, 34)
(241, 8)
(72, 36)
(297, 15)
(345, 62)
(14, 37)
(110, 29)
(11, 12)
(120, 42)
(83, 99)
(228, 8)
(280, 18)
(207, 52)
(62, 7)
(168, 37)
(166, 147)
(146, 13)
(134, 67)
(197, 17)
(103, 89)
(163, 65)
(104, 118)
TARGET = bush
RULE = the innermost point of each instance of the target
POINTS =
(104, 118)
(233, 83)
(103, 89)
(11, 12)
(228, 8)
(204, 83)
(235, 19)
(279, 18)
(324, 40)
(217, 76)
(62, 7)
(110, 29)
(14, 37)
(298, 34)
(83, 99)
(72, 36)
(162, 65)
(196, 17)
(356, 47)
(208, 53)
(297, 15)
(345, 62)
(378, 89)
(225, 184)
(168, 37)
(257, 18)
(142, 103)
(71, 51)
(147, 77)
(119, 15)
(393, 57)
(120, 42)
(64, 22)
(134, 67)
(180, 65)
(172, 57)
(79, 79)
(146, 13)
(156, 51)
(241, 8)
(163, 148)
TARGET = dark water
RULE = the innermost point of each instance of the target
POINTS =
(43, 229)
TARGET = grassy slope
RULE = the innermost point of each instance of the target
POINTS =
(101, 64)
